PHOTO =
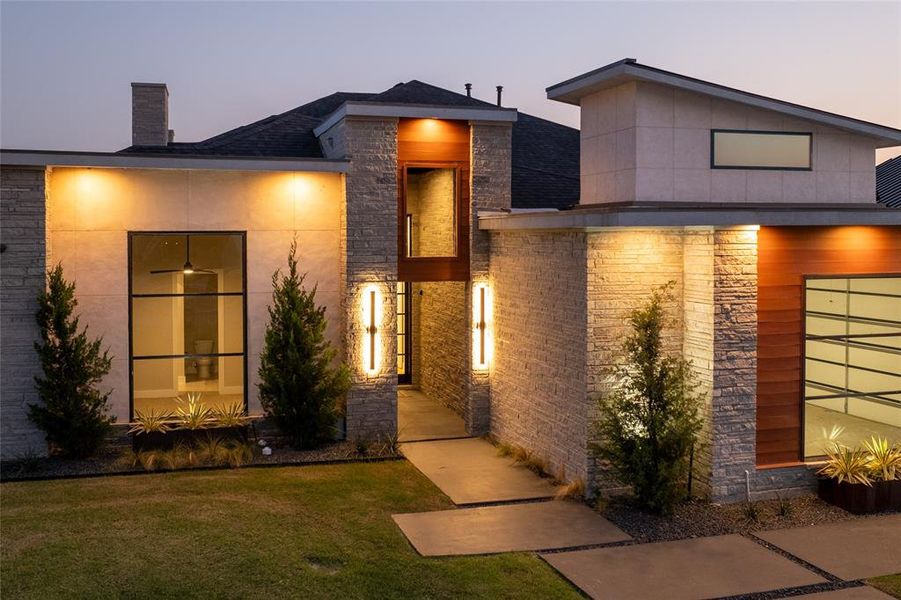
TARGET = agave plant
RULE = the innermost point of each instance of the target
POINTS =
(191, 413)
(884, 459)
(851, 465)
(151, 422)
(230, 416)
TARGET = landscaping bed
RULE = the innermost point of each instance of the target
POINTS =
(698, 518)
(120, 460)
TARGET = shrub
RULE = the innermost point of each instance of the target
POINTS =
(73, 414)
(191, 413)
(650, 419)
(300, 388)
(150, 422)
(884, 459)
(851, 465)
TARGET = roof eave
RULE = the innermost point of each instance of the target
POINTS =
(416, 111)
(61, 158)
(573, 90)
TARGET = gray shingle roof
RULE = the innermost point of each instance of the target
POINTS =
(888, 182)
(545, 161)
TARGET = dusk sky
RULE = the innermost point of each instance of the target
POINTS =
(66, 67)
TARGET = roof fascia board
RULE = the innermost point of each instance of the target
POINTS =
(663, 217)
(416, 111)
(572, 90)
(50, 158)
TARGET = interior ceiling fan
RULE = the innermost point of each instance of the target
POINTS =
(188, 268)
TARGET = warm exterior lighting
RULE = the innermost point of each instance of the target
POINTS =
(372, 310)
(408, 222)
(481, 331)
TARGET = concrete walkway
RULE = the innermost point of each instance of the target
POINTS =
(713, 567)
(469, 471)
(507, 528)
(421, 418)
(855, 549)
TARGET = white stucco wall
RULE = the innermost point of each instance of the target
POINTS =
(92, 211)
(648, 142)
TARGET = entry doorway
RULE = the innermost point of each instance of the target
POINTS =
(404, 333)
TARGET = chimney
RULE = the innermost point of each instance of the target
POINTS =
(150, 114)
(468, 87)
(500, 90)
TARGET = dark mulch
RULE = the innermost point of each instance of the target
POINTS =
(698, 518)
(118, 460)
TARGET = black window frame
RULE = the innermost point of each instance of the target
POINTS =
(802, 449)
(131, 296)
(807, 134)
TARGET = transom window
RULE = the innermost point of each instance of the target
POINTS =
(760, 150)
(852, 362)
(188, 322)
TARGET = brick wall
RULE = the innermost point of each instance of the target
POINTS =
(443, 347)
(23, 263)
(538, 393)
(491, 155)
(369, 241)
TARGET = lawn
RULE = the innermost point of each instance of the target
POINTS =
(311, 532)
(890, 584)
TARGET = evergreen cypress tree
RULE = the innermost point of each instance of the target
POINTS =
(74, 414)
(651, 419)
(300, 389)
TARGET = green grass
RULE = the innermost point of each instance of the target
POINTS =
(311, 532)
(890, 584)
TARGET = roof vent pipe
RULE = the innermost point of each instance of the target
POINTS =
(468, 87)
(500, 90)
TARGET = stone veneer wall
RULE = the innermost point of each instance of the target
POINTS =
(22, 205)
(430, 201)
(443, 343)
(538, 387)
(369, 244)
(490, 190)
(623, 267)
(734, 402)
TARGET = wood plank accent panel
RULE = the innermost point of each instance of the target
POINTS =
(784, 256)
(435, 143)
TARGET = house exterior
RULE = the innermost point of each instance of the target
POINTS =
(487, 258)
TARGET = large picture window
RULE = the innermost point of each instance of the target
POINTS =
(760, 150)
(852, 361)
(187, 295)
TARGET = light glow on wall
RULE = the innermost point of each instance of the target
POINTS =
(482, 330)
(372, 313)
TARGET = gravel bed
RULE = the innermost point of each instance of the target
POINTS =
(698, 518)
(118, 461)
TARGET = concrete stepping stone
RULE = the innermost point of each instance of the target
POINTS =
(712, 567)
(507, 528)
(857, 549)
(469, 471)
(863, 592)
(421, 418)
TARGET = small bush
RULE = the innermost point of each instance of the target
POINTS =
(574, 490)
(751, 512)
(504, 449)
(650, 420)
(785, 508)
(73, 413)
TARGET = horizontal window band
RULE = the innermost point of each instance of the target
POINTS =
(176, 356)
(842, 393)
(857, 292)
(851, 366)
(853, 319)
(844, 341)
(187, 295)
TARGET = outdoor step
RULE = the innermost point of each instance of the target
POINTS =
(507, 528)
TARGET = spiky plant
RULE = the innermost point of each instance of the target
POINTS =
(851, 465)
(300, 386)
(191, 412)
(232, 415)
(884, 459)
(73, 413)
(151, 422)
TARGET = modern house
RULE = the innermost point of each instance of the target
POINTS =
(486, 258)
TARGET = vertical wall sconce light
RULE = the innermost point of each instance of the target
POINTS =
(371, 319)
(408, 224)
(481, 319)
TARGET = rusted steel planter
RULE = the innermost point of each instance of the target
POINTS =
(860, 499)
